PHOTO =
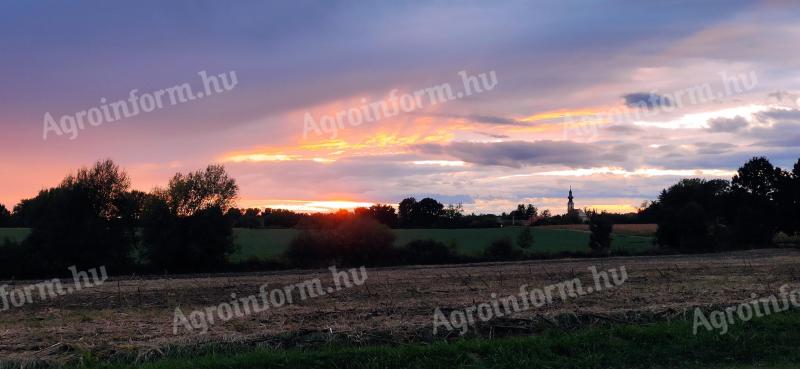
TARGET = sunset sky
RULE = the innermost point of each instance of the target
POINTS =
(566, 74)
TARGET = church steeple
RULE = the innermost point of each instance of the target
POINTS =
(570, 203)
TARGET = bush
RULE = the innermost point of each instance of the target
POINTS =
(502, 249)
(783, 239)
(354, 242)
(525, 238)
(428, 252)
(16, 262)
(310, 248)
(600, 237)
(198, 242)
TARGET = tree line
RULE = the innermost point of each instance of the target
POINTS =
(93, 218)
(697, 215)
(409, 213)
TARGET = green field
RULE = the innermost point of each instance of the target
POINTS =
(269, 243)
(14, 234)
(768, 342)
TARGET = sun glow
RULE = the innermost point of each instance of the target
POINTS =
(306, 206)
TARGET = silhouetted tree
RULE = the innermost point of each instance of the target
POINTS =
(424, 213)
(502, 249)
(281, 218)
(355, 241)
(697, 215)
(24, 212)
(184, 226)
(406, 210)
(525, 237)
(189, 193)
(647, 212)
(427, 212)
(311, 248)
(787, 200)
(382, 213)
(234, 216)
(87, 221)
(452, 216)
(5, 216)
(428, 252)
(686, 210)
(251, 219)
(201, 241)
(758, 177)
(524, 212)
(755, 191)
(132, 203)
(600, 228)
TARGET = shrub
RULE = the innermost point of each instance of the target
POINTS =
(16, 261)
(428, 252)
(310, 248)
(198, 242)
(525, 237)
(502, 249)
(600, 237)
(354, 242)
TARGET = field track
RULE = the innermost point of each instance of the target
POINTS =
(135, 315)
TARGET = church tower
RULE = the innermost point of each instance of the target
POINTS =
(570, 203)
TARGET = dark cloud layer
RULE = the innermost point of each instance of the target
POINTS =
(779, 116)
(523, 153)
(491, 119)
(727, 124)
(623, 128)
(646, 100)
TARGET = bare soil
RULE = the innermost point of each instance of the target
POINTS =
(134, 316)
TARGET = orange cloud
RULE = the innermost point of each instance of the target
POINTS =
(386, 141)
(561, 113)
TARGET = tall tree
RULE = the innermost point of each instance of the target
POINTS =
(384, 214)
(758, 177)
(185, 227)
(600, 237)
(427, 212)
(796, 169)
(189, 193)
(525, 237)
(5, 216)
(452, 215)
(406, 210)
(686, 210)
(86, 221)
(787, 201)
(524, 211)
(756, 214)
